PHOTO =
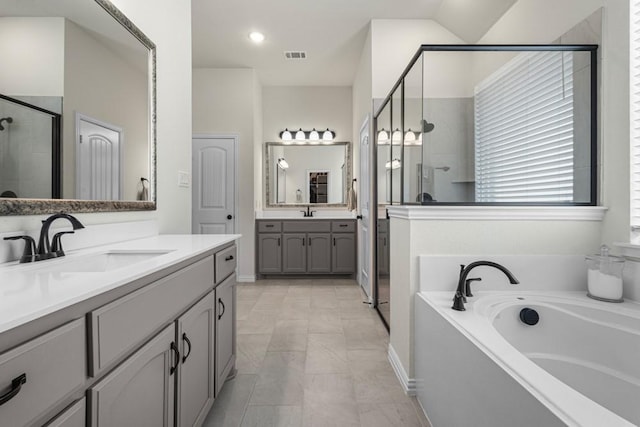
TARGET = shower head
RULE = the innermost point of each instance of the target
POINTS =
(7, 120)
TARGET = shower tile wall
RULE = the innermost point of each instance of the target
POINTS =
(25, 148)
(451, 144)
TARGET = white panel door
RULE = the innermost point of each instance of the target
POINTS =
(98, 147)
(364, 264)
(214, 182)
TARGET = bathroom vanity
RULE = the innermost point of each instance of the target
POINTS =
(308, 246)
(135, 333)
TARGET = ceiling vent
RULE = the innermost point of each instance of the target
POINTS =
(295, 54)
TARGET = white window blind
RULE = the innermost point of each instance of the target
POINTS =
(634, 58)
(524, 130)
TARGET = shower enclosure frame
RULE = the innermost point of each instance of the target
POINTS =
(56, 152)
(593, 149)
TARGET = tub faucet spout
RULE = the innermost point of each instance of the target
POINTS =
(462, 289)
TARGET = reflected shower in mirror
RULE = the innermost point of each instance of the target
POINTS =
(301, 174)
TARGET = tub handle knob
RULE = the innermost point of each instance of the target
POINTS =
(529, 316)
(467, 286)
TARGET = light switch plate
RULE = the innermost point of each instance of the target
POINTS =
(184, 180)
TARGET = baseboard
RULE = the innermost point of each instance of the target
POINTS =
(408, 384)
(246, 279)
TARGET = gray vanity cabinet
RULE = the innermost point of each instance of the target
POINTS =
(225, 331)
(309, 246)
(140, 391)
(196, 337)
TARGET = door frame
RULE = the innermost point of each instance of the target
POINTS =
(118, 130)
(236, 198)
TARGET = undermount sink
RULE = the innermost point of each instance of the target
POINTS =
(105, 261)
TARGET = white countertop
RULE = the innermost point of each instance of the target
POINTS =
(29, 291)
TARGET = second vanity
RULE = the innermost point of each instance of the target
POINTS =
(306, 246)
(135, 333)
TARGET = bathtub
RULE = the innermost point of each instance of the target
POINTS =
(578, 366)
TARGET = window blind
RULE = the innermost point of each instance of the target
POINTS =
(524, 130)
(634, 58)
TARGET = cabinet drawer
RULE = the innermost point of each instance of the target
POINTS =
(269, 226)
(120, 326)
(226, 261)
(306, 226)
(343, 226)
(54, 365)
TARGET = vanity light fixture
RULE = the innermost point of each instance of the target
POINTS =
(286, 135)
(311, 136)
(396, 137)
(383, 137)
(393, 164)
(282, 163)
(256, 37)
(327, 135)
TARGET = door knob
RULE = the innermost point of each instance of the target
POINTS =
(229, 216)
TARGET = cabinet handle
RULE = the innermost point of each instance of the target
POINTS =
(309, 241)
(278, 241)
(188, 341)
(223, 309)
(334, 241)
(229, 258)
(343, 225)
(176, 354)
(269, 225)
(303, 240)
(16, 385)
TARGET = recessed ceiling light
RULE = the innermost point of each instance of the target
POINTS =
(256, 37)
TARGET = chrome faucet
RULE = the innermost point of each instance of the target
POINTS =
(464, 284)
(44, 249)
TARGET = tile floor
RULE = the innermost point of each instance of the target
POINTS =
(310, 353)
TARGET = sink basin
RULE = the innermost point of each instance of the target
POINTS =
(105, 261)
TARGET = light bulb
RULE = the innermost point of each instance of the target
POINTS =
(327, 135)
(314, 135)
(300, 136)
(256, 37)
(286, 135)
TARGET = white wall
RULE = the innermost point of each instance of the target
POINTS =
(29, 46)
(223, 103)
(168, 24)
(395, 41)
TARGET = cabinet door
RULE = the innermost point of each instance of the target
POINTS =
(225, 330)
(294, 247)
(196, 338)
(269, 253)
(344, 253)
(74, 416)
(319, 253)
(140, 391)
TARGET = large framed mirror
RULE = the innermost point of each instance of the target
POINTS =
(306, 174)
(77, 109)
